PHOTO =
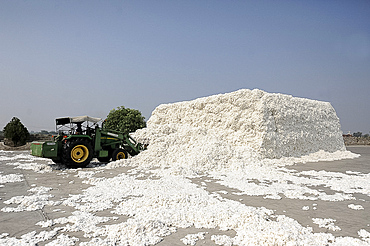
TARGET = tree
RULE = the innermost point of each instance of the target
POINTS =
(357, 134)
(125, 120)
(16, 132)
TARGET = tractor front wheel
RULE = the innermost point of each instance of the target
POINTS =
(119, 154)
(77, 153)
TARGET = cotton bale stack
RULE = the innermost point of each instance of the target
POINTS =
(240, 125)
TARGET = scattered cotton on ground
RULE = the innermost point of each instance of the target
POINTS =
(191, 239)
(10, 178)
(326, 223)
(355, 207)
(33, 202)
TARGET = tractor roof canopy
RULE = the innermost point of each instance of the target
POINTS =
(78, 119)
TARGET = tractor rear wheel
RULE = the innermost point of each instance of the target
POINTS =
(119, 154)
(77, 153)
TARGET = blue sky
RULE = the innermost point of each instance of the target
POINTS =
(70, 58)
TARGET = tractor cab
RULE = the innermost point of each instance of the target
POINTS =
(81, 125)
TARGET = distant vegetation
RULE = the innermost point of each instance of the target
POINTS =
(359, 135)
(44, 132)
(16, 133)
(125, 120)
(356, 138)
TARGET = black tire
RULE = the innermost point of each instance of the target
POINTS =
(56, 161)
(104, 159)
(119, 154)
(77, 153)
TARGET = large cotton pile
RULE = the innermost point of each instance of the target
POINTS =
(233, 129)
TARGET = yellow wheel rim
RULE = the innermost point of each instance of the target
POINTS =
(120, 155)
(79, 153)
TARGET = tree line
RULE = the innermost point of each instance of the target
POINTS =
(121, 119)
(359, 135)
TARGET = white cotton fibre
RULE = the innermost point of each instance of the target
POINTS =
(238, 128)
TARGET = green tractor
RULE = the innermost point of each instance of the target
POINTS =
(80, 139)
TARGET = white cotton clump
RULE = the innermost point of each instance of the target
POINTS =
(365, 235)
(11, 178)
(80, 221)
(239, 128)
(191, 239)
(326, 223)
(63, 240)
(355, 207)
(133, 232)
(274, 197)
(47, 223)
(222, 240)
(31, 238)
(108, 194)
(33, 202)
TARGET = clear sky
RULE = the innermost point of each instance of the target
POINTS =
(71, 58)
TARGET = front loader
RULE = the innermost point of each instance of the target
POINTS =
(80, 139)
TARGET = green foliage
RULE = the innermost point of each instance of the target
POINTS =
(357, 134)
(16, 132)
(125, 120)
